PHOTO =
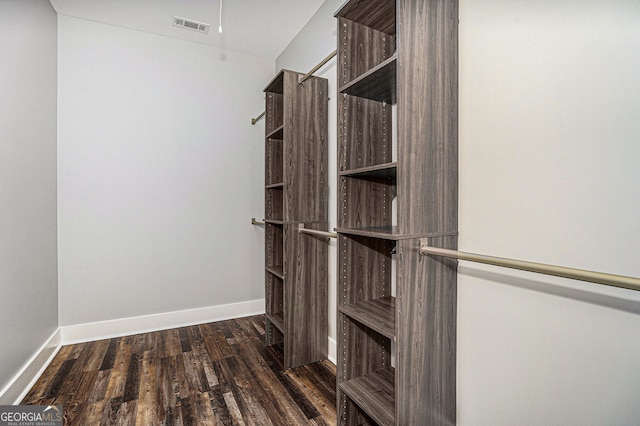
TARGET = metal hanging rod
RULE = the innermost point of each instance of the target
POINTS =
(304, 78)
(255, 120)
(317, 67)
(255, 222)
(612, 280)
(303, 230)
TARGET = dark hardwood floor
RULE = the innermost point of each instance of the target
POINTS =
(210, 374)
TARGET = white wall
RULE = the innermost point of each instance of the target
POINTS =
(549, 130)
(28, 253)
(312, 44)
(160, 172)
(549, 149)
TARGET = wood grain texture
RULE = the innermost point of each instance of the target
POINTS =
(273, 161)
(380, 171)
(428, 116)
(360, 49)
(377, 84)
(378, 14)
(364, 131)
(274, 254)
(365, 203)
(368, 143)
(425, 183)
(273, 203)
(296, 192)
(375, 394)
(217, 374)
(362, 351)
(305, 296)
(377, 314)
(364, 274)
(273, 110)
(426, 340)
(304, 149)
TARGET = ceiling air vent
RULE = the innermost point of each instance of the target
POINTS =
(190, 24)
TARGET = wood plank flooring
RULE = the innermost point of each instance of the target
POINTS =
(210, 374)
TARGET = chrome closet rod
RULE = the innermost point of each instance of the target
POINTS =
(255, 120)
(611, 280)
(317, 67)
(303, 230)
(303, 79)
(255, 222)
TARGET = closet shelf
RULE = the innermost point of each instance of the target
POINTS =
(377, 314)
(379, 171)
(378, 84)
(277, 320)
(381, 232)
(295, 278)
(382, 19)
(276, 270)
(374, 393)
(276, 133)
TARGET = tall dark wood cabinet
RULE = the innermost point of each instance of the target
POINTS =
(397, 343)
(295, 194)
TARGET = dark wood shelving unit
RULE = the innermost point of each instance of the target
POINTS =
(296, 264)
(397, 334)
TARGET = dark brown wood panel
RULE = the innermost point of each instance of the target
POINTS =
(378, 14)
(378, 84)
(274, 294)
(273, 111)
(273, 162)
(273, 202)
(305, 149)
(380, 171)
(306, 305)
(368, 143)
(360, 49)
(377, 314)
(364, 274)
(226, 376)
(365, 203)
(426, 340)
(366, 352)
(274, 249)
(374, 393)
(428, 117)
(364, 269)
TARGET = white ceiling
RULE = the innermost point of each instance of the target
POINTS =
(257, 27)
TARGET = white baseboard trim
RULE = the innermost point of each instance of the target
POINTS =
(80, 333)
(332, 351)
(15, 391)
